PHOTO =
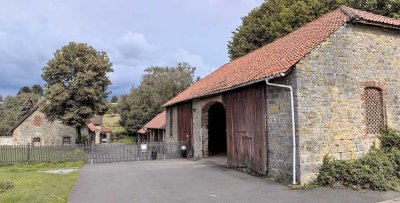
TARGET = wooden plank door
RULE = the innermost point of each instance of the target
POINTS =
(246, 127)
(185, 124)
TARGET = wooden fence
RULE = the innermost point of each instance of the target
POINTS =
(103, 153)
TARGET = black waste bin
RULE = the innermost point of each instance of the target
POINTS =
(153, 155)
(183, 152)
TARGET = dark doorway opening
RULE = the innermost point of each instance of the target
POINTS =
(217, 130)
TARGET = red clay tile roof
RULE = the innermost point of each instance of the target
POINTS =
(277, 57)
(91, 127)
(105, 130)
(142, 131)
(157, 122)
(370, 17)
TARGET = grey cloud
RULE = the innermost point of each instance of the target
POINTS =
(135, 46)
(135, 34)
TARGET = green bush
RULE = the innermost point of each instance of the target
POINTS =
(377, 170)
(390, 139)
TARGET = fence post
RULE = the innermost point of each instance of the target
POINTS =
(28, 154)
(164, 145)
(138, 151)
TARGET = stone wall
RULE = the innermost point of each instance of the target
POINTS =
(174, 136)
(331, 83)
(279, 129)
(6, 140)
(200, 125)
(36, 125)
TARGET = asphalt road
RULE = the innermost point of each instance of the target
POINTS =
(196, 181)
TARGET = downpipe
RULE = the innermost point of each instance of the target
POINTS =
(293, 125)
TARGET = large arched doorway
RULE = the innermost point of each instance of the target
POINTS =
(217, 144)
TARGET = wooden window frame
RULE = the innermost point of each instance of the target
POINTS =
(34, 140)
(64, 142)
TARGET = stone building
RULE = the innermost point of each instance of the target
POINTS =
(344, 70)
(34, 128)
(97, 133)
(154, 130)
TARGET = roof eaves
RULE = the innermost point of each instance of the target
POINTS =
(280, 74)
(24, 118)
(354, 18)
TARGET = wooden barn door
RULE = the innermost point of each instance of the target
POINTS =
(246, 128)
(185, 125)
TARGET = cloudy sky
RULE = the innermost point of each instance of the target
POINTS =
(135, 34)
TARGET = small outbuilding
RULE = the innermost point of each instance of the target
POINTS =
(327, 88)
(33, 128)
(154, 130)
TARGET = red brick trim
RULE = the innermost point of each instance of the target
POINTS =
(378, 85)
(375, 84)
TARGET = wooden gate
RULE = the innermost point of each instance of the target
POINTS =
(246, 127)
(185, 125)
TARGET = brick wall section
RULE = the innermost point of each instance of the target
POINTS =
(49, 133)
(279, 129)
(331, 83)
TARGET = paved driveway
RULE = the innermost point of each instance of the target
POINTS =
(195, 181)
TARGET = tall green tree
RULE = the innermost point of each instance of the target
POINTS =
(11, 110)
(37, 89)
(77, 85)
(159, 84)
(114, 99)
(276, 18)
(24, 90)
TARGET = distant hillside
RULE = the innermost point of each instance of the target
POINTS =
(112, 121)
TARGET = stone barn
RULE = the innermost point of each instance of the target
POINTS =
(343, 70)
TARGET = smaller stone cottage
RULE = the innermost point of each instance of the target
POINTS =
(153, 131)
(34, 128)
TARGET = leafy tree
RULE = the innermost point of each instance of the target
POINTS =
(28, 105)
(276, 18)
(11, 110)
(114, 99)
(1, 97)
(77, 85)
(159, 84)
(37, 89)
(24, 89)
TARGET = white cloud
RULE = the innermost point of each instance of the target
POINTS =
(183, 55)
(135, 46)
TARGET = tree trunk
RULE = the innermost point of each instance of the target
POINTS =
(79, 135)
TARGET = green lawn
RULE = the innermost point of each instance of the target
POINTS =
(125, 139)
(26, 184)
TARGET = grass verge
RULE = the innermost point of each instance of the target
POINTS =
(23, 182)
